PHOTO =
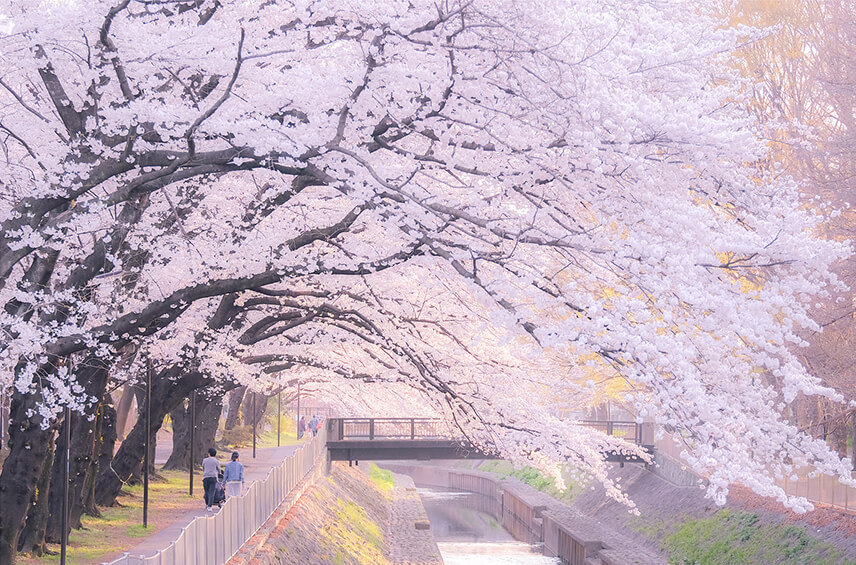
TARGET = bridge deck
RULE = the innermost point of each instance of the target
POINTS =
(385, 439)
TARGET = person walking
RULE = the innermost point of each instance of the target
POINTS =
(233, 476)
(210, 472)
(301, 427)
(313, 425)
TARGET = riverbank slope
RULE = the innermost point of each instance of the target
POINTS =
(346, 518)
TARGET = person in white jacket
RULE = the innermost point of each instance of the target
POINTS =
(233, 476)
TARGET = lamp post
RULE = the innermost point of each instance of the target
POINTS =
(254, 425)
(192, 435)
(67, 455)
(148, 443)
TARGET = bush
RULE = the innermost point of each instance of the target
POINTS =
(239, 436)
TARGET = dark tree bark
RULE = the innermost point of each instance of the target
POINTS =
(32, 537)
(93, 374)
(29, 446)
(123, 410)
(209, 405)
(105, 425)
(4, 420)
(168, 390)
(260, 406)
(180, 417)
(853, 439)
(233, 417)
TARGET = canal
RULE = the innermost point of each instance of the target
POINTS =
(467, 536)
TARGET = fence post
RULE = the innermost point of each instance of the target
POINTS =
(371, 428)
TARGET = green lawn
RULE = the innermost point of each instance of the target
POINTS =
(120, 528)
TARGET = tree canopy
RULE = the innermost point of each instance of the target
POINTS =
(491, 211)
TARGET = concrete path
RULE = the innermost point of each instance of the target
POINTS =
(254, 470)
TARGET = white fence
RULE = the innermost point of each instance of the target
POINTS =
(213, 540)
(824, 490)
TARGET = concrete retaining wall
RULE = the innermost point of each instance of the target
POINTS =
(673, 471)
(534, 517)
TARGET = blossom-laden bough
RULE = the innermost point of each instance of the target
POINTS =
(487, 211)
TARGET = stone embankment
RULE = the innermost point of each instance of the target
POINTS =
(344, 518)
(534, 517)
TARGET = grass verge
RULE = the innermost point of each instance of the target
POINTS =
(738, 538)
(384, 479)
(120, 528)
(532, 477)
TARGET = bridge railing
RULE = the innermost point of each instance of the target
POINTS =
(629, 431)
(341, 429)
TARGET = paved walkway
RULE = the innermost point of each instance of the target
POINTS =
(254, 470)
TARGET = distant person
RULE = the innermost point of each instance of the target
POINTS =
(313, 425)
(210, 472)
(301, 427)
(233, 476)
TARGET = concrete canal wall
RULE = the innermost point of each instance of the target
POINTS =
(534, 517)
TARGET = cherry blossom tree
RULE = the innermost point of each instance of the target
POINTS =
(480, 210)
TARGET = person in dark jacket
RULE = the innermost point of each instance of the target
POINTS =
(210, 472)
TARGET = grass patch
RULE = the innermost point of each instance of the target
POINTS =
(737, 538)
(384, 479)
(353, 537)
(242, 436)
(532, 477)
(120, 527)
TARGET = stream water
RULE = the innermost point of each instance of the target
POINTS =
(468, 536)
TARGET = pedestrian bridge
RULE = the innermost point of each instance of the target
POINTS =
(385, 439)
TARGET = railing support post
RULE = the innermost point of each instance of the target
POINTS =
(412, 428)
(371, 428)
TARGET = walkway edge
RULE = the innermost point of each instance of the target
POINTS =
(216, 539)
(252, 546)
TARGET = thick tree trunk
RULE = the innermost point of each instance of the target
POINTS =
(123, 410)
(838, 435)
(207, 427)
(106, 448)
(87, 495)
(4, 418)
(29, 446)
(180, 437)
(168, 390)
(32, 537)
(208, 412)
(233, 416)
(93, 374)
(260, 407)
(853, 440)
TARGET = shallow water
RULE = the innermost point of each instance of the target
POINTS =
(469, 537)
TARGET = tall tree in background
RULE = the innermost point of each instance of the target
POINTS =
(803, 90)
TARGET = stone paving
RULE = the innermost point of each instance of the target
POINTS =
(410, 539)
